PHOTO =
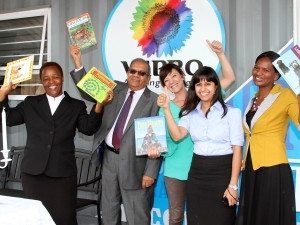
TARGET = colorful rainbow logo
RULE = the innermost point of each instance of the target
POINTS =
(161, 26)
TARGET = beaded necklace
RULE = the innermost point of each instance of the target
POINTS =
(254, 106)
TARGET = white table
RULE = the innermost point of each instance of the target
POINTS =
(16, 211)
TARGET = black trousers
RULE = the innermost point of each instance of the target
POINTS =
(58, 195)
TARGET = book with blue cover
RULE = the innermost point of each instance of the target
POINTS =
(288, 65)
(150, 132)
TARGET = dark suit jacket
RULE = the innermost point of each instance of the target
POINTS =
(132, 168)
(50, 139)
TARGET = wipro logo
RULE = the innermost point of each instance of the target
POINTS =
(161, 31)
(161, 27)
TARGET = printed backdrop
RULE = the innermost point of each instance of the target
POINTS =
(162, 31)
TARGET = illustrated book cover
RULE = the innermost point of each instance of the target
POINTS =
(288, 65)
(81, 31)
(150, 132)
(96, 84)
(19, 70)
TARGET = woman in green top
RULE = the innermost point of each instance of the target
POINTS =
(179, 156)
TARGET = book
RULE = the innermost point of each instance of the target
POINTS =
(96, 84)
(81, 31)
(288, 65)
(150, 132)
(18, 70)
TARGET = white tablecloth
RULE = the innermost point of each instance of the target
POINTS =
(21, 211)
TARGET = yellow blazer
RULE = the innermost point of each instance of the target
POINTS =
(267, 133)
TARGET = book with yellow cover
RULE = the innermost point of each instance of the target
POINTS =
(96, 84)
(81, 31)
(19, 70)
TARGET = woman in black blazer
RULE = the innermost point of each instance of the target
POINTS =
(51, 119)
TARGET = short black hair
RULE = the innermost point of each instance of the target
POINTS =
(272, 56)
(47, 64)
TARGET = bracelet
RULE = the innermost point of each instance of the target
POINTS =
(234, 187)
(236, 199)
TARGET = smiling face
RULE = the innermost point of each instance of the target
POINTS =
(174, 81)
(52, 80)
(263, 73)
(205, 90)
(135, 81)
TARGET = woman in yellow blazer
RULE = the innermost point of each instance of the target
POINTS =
(267, 191)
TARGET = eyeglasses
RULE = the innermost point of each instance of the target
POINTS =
(140, 73)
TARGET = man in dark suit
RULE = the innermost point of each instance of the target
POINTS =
(49, 171)
(125, 177)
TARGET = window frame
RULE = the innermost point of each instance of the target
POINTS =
(45, 36)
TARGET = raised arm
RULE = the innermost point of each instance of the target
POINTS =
(228, 76)
(4, 91)
(76, 56)
(78, 73)
(176, 132)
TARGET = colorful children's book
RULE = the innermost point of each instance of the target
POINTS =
(288, 65)
(19, 70)
(96, 84)
(81, 31)
(150, 132)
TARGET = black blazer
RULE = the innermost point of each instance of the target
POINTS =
(50, 138)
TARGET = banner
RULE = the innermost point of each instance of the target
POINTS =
(161, 31)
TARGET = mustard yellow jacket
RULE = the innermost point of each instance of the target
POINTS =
(267, 133)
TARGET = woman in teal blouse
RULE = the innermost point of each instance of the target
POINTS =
(179, 156)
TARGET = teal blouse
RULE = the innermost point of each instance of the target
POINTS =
(179, 156)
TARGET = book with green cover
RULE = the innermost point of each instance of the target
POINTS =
(81, 31)
(96, 84)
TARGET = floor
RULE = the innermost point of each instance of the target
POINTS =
(89, 220)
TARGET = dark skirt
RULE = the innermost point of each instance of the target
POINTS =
(58, 195)
(267, 195)
(208, 179)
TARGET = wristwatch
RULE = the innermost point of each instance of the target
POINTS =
(234, 187)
